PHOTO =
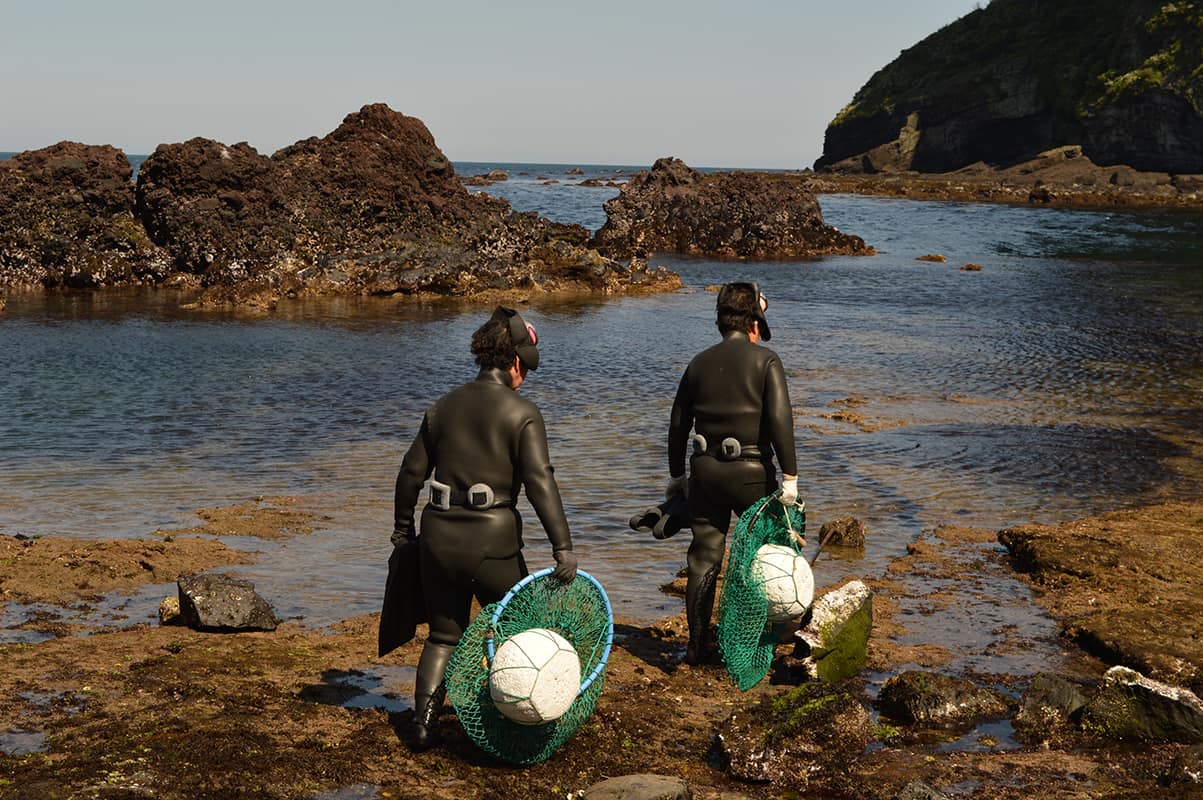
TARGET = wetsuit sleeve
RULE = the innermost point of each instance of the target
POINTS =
(538, 477)
(781, 416)
(415, 469)
(679, 426)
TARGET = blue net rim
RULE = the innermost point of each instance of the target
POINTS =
(580, 573)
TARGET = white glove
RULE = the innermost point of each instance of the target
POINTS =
(677, 485)
(789, 490)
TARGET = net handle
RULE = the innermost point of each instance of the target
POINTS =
(789, 523)
(520, 585)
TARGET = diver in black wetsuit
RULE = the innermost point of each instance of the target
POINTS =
(734, 395)
(479, 445)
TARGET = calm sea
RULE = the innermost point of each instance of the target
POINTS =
(1064, 378)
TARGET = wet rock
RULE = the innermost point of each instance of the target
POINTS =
(169, 611)
(791, 739)
(1125, 586)
(672, 208)
(843, 532)
(1048, 707)
(918, 790)
(67, 219)
(639, 787)
(932, 698)
(935, 258)
(1131, 706)
(971, 268)
(833, 644)
(1187, 769)
(216, 602)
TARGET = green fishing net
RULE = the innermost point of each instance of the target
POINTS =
(580, 612)
(746, 638)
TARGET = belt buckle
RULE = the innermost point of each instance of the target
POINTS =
(440, 495)
(730, 448)
(480, 496)
(699, 444)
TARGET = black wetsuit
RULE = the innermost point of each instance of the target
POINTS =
(735, 389)
(481, 432)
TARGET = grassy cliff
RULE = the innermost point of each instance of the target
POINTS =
(1123, 78)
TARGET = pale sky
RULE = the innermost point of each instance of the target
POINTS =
(730, 84)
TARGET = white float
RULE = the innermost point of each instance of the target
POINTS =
(789, 585)
(535, 676)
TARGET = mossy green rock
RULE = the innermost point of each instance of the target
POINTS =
(1133, 707)
(789, 739)
(1123, 78)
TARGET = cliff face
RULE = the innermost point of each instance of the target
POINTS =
(1122, 78)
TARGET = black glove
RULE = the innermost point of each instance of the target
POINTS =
(401, 535)
(565, 570)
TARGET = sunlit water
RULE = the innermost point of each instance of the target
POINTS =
(1062, 379)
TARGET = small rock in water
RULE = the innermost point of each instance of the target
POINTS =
(843, 532)
(929, 697)
(933, 257)
(971, 268)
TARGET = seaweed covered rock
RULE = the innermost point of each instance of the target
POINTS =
(673, 208)
(1015, 78)
(791, 739)
(1051, 705)
(832, 645)
(66, 219)
(1131, 706)
(931, 698)
(372, 208)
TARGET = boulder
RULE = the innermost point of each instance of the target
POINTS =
(673, 208)
(791, 739)
(931, 698)
(1049, 706)
(215, 602)
(169, 611)
(639, 787)
(1131, 706)
(832, 645)
(67, 219)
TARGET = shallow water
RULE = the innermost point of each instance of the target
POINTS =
(1061, 380)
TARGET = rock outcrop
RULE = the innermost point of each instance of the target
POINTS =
(934, 699)
(675, 209)
(67, 219)
(372, 208)
(1016, 78)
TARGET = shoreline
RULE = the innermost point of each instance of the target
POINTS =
(166, 711)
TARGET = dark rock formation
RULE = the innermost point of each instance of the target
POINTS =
(932, 698)
(1131, 706)
(792, 739)
(221, 603)
(1187, 769)
(1049, 706)
(372, 208)
(673, 208)
(1018, 77)
(66, 219)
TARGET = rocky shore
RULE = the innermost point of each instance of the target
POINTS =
(373, 208)
(171, 712)
(1062, 177)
